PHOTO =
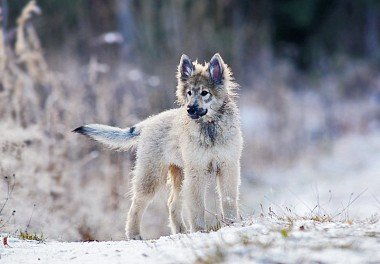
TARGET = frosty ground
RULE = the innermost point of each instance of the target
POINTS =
(265, 239)
(322, 210)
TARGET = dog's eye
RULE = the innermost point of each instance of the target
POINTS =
(204, 93)
(189, 92)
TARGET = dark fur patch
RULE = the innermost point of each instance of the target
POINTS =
(224, 110)
(209, 130)
(209, 99)
(210, 168)
(80, 130)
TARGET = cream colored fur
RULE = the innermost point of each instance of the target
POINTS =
(186, 153)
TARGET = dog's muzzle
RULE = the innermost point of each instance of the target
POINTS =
(195, 112)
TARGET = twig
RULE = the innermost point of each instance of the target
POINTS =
(267, 198)
(9, 192)
(377, 200)
(216, 216)
(30, 218)
(350, 202)
(9, 219)
(304, 203)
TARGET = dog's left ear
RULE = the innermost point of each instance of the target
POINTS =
(216, 69)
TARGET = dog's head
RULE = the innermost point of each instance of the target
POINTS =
(204, 89)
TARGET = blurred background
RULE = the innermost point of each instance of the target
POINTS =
(309, 101)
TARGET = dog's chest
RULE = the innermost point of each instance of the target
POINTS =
(209, 133)
(212, 135)
(203, 143)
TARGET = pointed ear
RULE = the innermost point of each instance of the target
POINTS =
(185, 67)
(216, 69)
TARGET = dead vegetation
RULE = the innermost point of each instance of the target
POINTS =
(10, 183)
(215, 256)
(38, 108)
(31, 236)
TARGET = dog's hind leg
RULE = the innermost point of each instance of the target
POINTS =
(175, 200)
(145, 185)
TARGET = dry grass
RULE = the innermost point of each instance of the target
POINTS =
(38, 109)
(28, 236)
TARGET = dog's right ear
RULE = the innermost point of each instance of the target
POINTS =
(185, 68)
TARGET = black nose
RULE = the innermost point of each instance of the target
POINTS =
(192, 109)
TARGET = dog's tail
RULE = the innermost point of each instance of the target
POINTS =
(113, 137)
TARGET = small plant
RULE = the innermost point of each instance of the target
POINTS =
(215, 227)
(245, 239)
(321, 218)
(284, 233)
(29, 236)
(10, 182)
(216, 256)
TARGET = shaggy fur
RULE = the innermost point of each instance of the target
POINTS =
(185, 147)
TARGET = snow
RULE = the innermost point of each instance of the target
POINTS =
(259, 240)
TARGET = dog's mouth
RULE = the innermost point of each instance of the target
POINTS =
(198, 114)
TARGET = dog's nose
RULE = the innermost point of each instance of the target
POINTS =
(192, 109)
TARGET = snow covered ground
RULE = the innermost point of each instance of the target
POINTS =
(322, 210)
(264, 239)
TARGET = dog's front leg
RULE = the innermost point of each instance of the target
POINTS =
(194, 187)
(228, 181)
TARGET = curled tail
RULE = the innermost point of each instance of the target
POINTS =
(113, 137)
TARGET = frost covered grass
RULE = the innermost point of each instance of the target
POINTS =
(258, 240)
(31, 236)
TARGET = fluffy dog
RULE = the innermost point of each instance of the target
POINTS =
(185, 147)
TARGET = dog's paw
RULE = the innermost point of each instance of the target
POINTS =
(200, 229)
(135, 237)
(182, 230)
(229, 221)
